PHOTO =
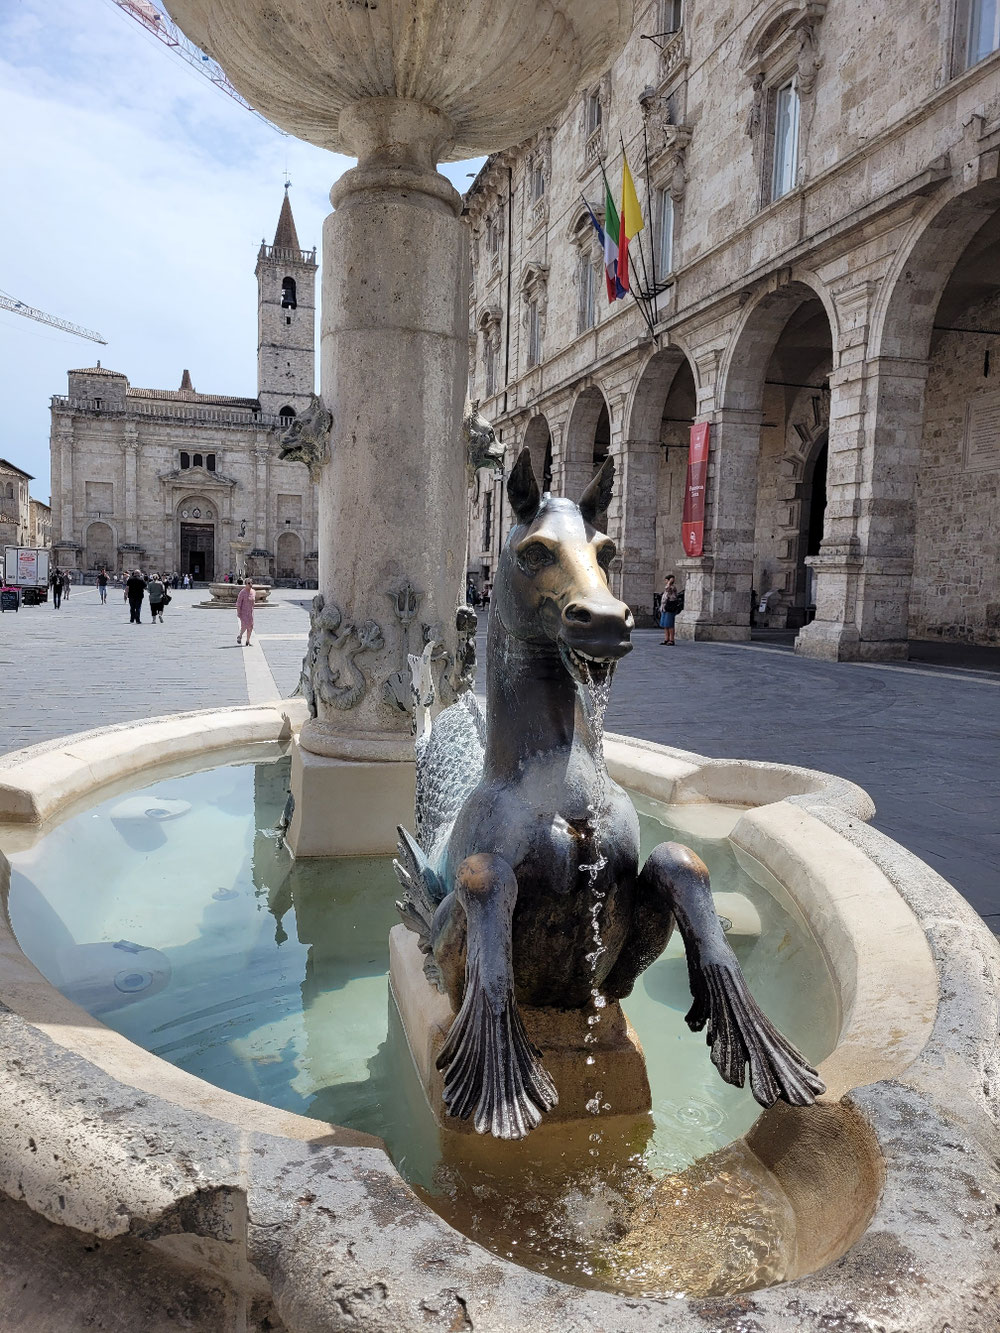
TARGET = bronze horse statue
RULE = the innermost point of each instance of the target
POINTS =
(523, 882)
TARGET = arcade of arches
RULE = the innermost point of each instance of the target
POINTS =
(854, 471)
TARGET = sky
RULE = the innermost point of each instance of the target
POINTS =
(133, 197)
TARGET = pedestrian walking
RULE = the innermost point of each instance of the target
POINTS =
(135, 590)
(671, 604)
(67, 584)
(156, 590)
(244, 609)
(187, 580)
(56, 584)
(102, 586)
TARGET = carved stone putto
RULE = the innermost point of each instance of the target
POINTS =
(307, 439)
(342, 686)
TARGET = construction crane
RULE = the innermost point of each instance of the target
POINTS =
(165, 30)
(8, 302)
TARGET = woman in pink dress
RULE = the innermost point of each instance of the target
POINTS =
(244, 609)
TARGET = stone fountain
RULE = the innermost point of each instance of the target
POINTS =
(401, 85)
(171, 1195)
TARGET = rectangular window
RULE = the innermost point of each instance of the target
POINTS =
(487, 520)
(984, 30)
(664, 233)
(595, 113)
(537, 181)
(588, 292)
(534, 335)
(786, 140)
(671, 16)
(490, 366)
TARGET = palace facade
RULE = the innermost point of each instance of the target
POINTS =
(174, 480)
(821, 190)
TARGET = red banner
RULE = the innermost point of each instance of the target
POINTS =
(693, 519)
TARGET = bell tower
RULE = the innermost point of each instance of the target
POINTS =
(286, 320)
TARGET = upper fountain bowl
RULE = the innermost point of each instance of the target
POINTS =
(498, 70)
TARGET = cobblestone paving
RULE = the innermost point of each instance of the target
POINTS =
(923, 741)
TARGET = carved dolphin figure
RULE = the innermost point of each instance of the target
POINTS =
(525, 844)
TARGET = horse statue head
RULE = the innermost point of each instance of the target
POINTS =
(552, 580)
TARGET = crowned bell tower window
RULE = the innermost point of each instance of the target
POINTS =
(288, 293)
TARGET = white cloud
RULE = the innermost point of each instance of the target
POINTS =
(135, 195)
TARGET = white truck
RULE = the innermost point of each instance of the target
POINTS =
(26, 568)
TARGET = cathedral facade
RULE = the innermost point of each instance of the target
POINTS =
(178, 481)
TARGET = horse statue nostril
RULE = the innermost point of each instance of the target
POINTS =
(577, 614)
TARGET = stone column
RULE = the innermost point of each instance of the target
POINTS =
(62, 484)
(865, 564)
(636, 525)
(130, 448)
(392, 499)
(717, 584)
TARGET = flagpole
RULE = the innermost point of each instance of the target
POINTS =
(642, 308)
(653, 225)
(645, 276)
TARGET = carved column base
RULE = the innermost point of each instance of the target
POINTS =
(348, 806)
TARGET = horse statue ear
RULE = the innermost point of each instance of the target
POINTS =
(596, 499)
(522, 488)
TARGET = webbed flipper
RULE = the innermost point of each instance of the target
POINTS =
(491, 1069)
(739, 1033)
(422, 891)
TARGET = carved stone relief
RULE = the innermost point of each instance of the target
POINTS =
(342, 686)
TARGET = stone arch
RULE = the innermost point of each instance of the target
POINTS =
(934, 437)
(663, 405)
(650, 391)
(903, 318)
(538, 441)
(100, 547)
(744, 362)
(288, 556)
(585, 436)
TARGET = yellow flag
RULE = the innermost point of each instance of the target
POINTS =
(631, 219)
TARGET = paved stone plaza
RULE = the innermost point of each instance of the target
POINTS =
(921, 739)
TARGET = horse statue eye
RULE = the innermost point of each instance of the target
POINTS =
(536, 555)
(606, 554)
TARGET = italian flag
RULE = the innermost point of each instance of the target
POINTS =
(631, 222)
(611, 232)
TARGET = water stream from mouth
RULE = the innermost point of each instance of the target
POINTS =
(595, 695)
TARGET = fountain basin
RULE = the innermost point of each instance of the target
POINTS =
(892, 1175)
(224, 597)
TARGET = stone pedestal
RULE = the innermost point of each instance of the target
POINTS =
(618, 1073)
(345, 807)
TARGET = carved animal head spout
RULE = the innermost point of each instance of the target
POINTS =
(552, 584)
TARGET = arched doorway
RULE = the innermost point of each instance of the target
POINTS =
(538, 441)
(196, 538)
(288, 556)
(955, 584)
(100, 547)
(654, 472)
(588, 440)
(775, 420)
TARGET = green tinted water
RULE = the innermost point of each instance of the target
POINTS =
(175, 916)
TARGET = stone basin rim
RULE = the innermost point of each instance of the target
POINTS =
(212, 1130)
